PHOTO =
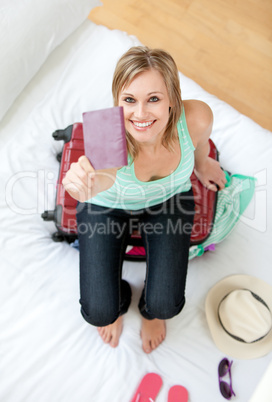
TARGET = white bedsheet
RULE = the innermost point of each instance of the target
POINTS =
(47, 351)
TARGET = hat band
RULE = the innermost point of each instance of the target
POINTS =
(257, 297)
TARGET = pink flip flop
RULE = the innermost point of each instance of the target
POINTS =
(177, 393)
(148, 389)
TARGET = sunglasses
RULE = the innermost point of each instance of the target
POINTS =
(223, 369)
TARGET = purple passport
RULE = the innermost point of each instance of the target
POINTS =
(105, 138)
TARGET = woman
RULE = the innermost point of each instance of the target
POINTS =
(166, 140)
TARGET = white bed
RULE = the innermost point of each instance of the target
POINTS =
(48, 352)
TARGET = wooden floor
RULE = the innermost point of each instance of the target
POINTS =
(223, 45)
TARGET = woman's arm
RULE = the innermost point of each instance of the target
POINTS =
(199, 119)
(82, 182)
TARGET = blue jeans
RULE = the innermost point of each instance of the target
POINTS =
(103, 236)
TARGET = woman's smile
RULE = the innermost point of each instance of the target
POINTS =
(142, 125)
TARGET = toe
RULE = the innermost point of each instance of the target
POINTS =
(147, 348)
(104, 334)
(107, 337)
(114, 343)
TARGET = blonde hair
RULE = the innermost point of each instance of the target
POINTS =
(139, 59)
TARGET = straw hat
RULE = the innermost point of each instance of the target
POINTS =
(239, 315)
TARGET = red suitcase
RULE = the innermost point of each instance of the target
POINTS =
(64, 214)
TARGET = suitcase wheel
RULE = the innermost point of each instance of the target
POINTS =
(64, 135)
(58, 237)
(59, 155)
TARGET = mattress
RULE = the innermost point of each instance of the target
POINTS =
(48, 352)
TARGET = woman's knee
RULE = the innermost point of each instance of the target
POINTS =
(98, 317)
(164, 309)
(102, 306)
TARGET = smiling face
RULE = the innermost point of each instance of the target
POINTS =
(146, 107)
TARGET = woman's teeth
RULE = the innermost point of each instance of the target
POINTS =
(146, 124)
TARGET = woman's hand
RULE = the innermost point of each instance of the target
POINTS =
(82, 182)
(211, 175)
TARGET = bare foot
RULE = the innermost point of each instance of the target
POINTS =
(153, 332)
(111, 333)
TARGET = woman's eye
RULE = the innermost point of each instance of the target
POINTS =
(129, 100)
(154, 99)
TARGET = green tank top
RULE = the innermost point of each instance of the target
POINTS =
(129, 193)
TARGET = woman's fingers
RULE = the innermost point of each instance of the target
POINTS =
(213, 187)
(79, 179)
(221, 181)
(85, 164)
(75, 186)
(217, 182)
(211, 175)
(84, 170)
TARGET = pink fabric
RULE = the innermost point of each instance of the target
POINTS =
(136, 251)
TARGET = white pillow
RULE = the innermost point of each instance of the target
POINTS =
(30, 30)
